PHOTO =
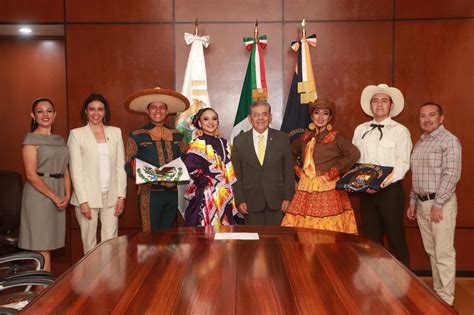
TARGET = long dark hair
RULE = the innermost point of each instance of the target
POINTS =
(91, 98)
(34, 124)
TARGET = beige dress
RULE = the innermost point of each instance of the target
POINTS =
(42, 226)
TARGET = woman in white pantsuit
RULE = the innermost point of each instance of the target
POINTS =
(97, 172)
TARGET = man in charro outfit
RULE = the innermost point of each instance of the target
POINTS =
(156, 144)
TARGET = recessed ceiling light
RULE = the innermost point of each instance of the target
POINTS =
(25, 30)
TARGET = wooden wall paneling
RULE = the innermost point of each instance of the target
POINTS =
(116, 60)
(347, 57)
(119, 11)
(226, 63)
(418, 258)
(413, 9)
(229, 10)
(76, 245)
(44, 11)
(337, 10)
(432, 64)
(31, 68)
(463, 244)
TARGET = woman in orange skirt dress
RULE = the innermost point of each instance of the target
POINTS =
(326, 155)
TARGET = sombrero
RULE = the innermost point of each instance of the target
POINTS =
(138, 101)
(394, 93)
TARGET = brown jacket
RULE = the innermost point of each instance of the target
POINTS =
(330, 151)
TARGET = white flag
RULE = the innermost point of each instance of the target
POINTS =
(194, 84)
(195, 89)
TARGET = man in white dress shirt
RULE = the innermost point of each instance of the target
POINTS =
(383, 141)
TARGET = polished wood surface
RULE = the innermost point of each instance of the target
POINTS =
(287, 271)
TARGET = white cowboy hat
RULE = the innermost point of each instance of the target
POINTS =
(370, 90)
(138, 101)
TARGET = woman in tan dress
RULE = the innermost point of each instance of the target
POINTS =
(48, 189)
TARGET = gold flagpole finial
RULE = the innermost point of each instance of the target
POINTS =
(255, 32)
(196, 32)
(303, 32)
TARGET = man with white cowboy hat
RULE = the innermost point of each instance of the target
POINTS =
(156, 144)
(383, 141)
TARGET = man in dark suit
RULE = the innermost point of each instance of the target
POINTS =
(264, 168)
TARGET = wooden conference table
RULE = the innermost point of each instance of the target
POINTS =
(286, 271)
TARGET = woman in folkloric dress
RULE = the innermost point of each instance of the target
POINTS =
(209, 165)
(327, 155)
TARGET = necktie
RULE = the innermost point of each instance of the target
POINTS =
(261, 149)
(378, 126)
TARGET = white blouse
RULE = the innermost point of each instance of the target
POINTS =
(104, 166)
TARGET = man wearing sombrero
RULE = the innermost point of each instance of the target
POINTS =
(155, 144)
(383, 141)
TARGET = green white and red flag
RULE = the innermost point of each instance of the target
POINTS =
(255, 83)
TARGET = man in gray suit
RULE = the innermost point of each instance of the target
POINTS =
(263, 165)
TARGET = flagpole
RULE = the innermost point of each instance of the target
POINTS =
(303, 32)
(302, 89)
(255, 82)
(195, 89)
(255, 32)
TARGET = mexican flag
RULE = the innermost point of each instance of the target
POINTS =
(255, 84)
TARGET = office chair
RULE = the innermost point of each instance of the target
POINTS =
(11, 187)
(9, 266)
(11, 300)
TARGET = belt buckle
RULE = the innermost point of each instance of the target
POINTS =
(427, 197)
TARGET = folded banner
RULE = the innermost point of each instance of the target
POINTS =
(174, 171)
(364, 176)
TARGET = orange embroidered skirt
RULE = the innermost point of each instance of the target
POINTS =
(318, 205)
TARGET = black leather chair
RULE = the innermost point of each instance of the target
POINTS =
(12, 300)
(9, 264)
(11, 187)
